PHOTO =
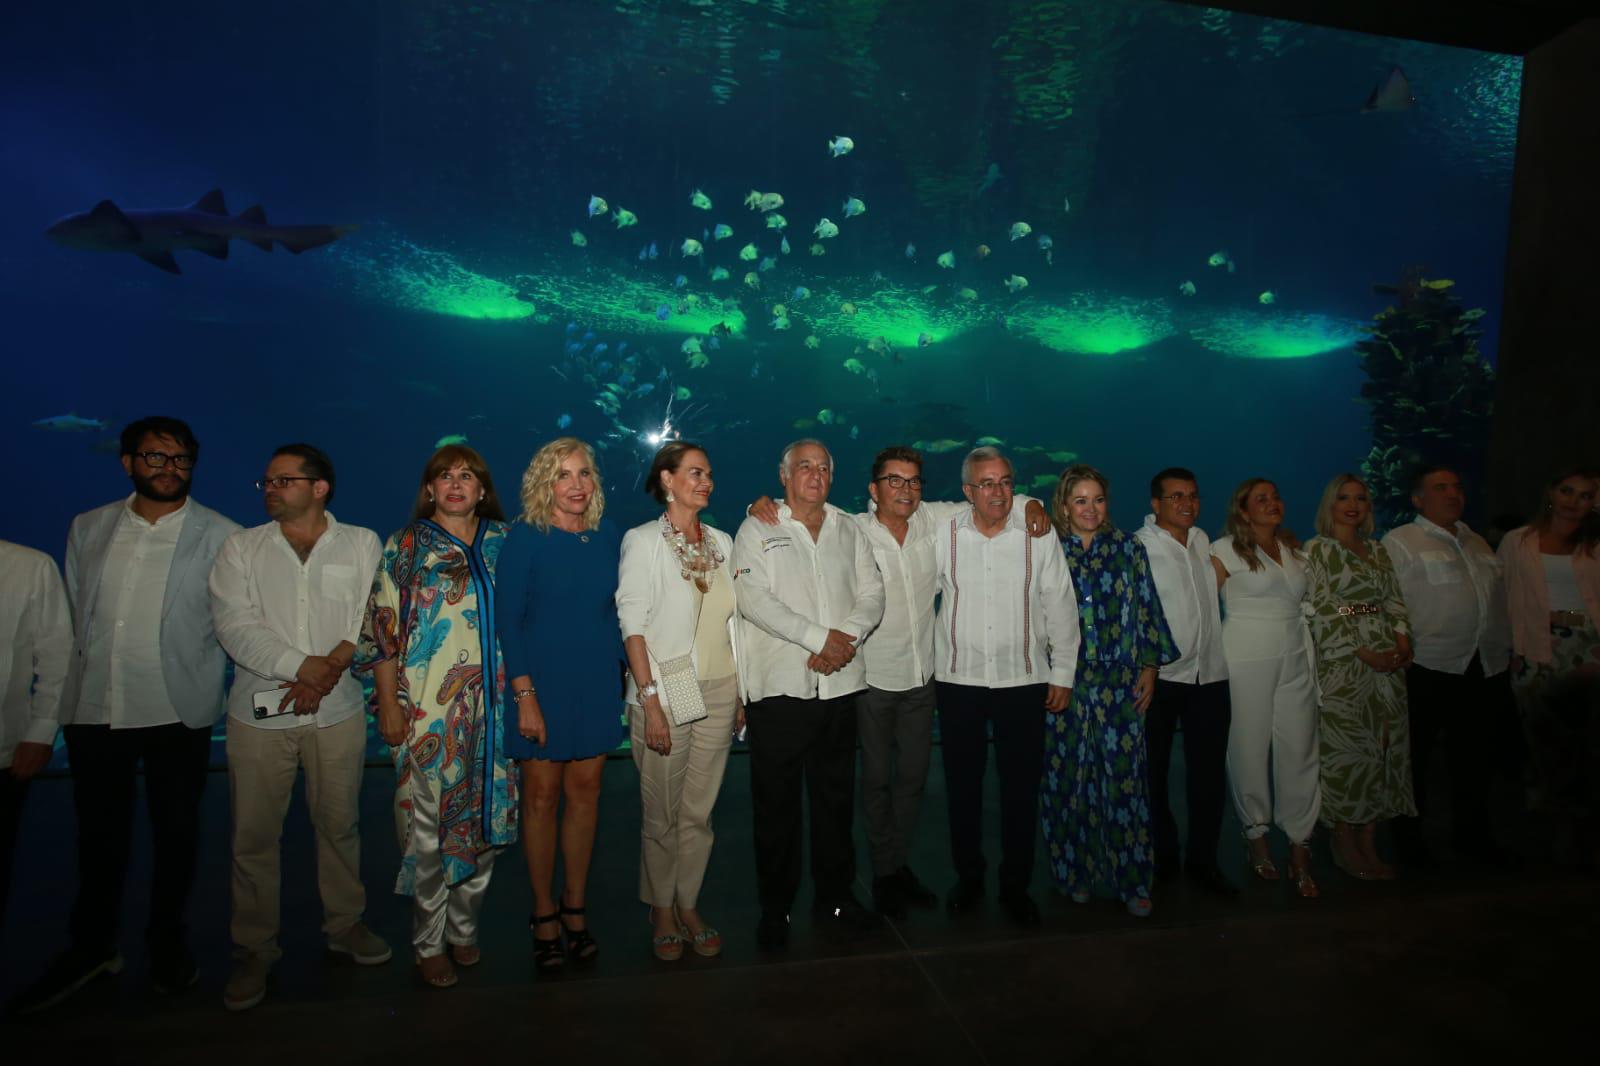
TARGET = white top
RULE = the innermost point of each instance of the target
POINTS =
(1455, 595)
(36, 635)
(1264, 618)
(271, 611)
(1188, 589)
(791, 591)
(123, 683)
(656, 603)
(1561, 582)
(1008, 615)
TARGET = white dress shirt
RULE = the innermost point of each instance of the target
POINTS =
(271, 611)
(1008, 615)
(791, 591)
(123, 683)
(35, 645)
(1187, 586)
(1455, 595)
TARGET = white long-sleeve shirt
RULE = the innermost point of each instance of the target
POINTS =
(123, 683)
(271, 611)
(1187, 586)
(791, 591)
(1008, 615)
(1455, 596)
(35, 647)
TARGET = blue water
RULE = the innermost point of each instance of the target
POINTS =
(465, 140)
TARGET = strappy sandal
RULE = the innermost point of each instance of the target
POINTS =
(707, 943)
(668, 947)
(436, 971)
(1262, 865)
(1300, 873)
(466, 954)
(581, 947)
(547, 952)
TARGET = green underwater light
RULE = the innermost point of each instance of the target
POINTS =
(406, 275)
(902, 317)
(1275, 335)
(606, 300)
(1094, 323)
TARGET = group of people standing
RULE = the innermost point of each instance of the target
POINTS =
(1316, 680)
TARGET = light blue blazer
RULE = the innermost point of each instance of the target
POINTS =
(192, 661)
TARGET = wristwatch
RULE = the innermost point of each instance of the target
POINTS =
(646, 691)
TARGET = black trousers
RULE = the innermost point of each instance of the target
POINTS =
(12, 795)
(802, 745)
(104, 763)
(1015, 716)
(1204, 714)
(1465, 714)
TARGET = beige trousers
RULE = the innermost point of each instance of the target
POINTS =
(262, 764)
(677, 792)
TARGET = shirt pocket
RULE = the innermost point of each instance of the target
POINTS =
(342, 584)
(1441, 568)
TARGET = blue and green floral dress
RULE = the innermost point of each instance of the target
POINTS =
(1095, 804)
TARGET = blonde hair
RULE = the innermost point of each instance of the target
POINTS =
(1330, 496)
(1238, 527)
(539, 484)
(1064, 485)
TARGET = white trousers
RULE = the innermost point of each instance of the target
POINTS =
(676, 795)
(1272, 745)
(441, 912)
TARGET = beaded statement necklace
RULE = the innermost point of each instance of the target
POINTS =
(695, 561)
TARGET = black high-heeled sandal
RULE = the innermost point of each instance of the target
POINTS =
(547, 953)
(580, 945)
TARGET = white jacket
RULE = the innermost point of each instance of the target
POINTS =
(656, 603)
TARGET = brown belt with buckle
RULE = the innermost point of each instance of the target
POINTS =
(1569, 619)
(1361, 608)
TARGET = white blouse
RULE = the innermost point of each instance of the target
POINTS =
(1262, 617)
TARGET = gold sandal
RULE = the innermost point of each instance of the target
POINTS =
(437, 970)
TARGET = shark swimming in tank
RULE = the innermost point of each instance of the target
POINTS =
(204, 226)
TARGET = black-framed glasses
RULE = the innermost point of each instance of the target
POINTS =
(990, 484)
(280, 482)
(897, 482)
(1180, 497)
(157, 460)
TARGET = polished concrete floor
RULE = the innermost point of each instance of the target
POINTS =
(1456, 963)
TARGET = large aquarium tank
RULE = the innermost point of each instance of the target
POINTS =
(1127, 232)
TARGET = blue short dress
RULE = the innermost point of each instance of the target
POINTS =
(555, 608)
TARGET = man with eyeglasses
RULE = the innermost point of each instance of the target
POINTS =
(1005, 651)
(288, 597)
(1192, 691)
(144, 685)
(894, 716)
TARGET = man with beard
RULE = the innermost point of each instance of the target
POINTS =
(288, 598)
(144, 684)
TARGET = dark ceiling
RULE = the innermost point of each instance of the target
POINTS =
(1514, 26)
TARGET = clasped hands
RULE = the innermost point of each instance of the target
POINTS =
(836, 653)
(317, 676)
(1387, 662)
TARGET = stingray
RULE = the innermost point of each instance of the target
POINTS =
(1393, 93)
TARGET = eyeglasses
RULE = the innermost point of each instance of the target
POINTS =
(989, 484)
(280, 482)
(158, 460)
(1180, 497)
(897, 482)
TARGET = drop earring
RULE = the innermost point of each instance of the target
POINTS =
(670, 497)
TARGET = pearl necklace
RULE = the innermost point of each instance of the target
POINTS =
(694, 560)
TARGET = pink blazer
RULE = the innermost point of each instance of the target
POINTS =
(1527, 598)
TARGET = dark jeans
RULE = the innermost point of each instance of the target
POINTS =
(12, 795)
(802, 745)
(1204, 714)
(104, 762)
(1465, 714)
(1015, 717)
(896, 741)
